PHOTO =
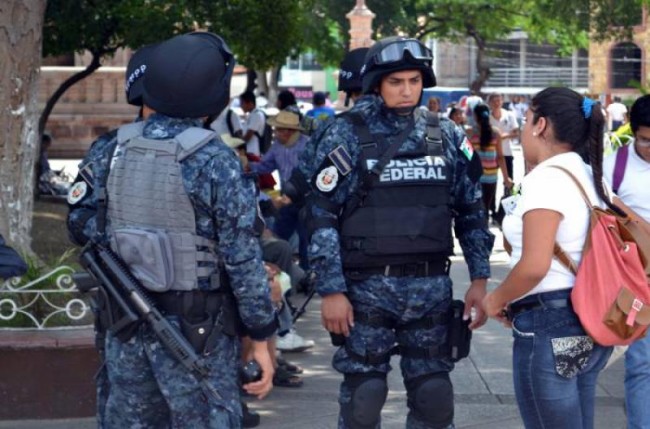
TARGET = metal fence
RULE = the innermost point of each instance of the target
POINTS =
(48, 302)
(539, 77)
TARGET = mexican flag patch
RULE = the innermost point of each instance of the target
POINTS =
(467, 149)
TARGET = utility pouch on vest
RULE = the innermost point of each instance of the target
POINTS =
(148, 255)
(459, 335)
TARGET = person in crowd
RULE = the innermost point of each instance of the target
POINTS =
(555, 362)
(287, 101)
(632, 188)
(289, 143)
(214, 208)
(457, 116)
(504, 121)
(382, 279)
(487, 142)
(228, 122)
(255, 120)
(50, 182)
(433, 104)
(616, 112)
(320, 111)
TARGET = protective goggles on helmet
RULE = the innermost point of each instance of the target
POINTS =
(394, 52)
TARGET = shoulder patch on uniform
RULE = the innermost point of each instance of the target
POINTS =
(466, 148)
(341, 160)
(327, 179)
(87, 174)
(77, 192)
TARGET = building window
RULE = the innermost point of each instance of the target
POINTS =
(625, 65)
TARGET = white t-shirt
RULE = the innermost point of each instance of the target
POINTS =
(220, 125)
(255, 121)
(635, 187)
(552, 189)
(506, 124)
(617, 111)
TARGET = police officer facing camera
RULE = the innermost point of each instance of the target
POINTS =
(181, 214)
(384, 186)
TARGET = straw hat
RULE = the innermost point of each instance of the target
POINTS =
(232, 142)
(285, 119)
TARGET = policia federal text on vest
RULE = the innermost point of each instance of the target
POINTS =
(398, 223)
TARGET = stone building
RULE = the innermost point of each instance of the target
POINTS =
(615, 66)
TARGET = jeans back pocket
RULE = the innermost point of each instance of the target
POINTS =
(571, 354)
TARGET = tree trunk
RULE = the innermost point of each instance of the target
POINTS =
(273, 85)
(21, 26)
(262, 83)
(482, 67)
(65, 85)
(251, 76)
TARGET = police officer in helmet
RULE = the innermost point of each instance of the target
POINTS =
(350, 74)
(182, 215)
(382, 192)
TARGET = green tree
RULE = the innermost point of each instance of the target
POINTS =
(102, 27)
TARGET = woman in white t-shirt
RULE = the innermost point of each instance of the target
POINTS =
(555, 363)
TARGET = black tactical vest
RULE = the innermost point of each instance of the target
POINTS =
(404, 216)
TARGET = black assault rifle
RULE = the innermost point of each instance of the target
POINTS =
(117, 282)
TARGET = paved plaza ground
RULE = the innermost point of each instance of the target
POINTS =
(483, 383)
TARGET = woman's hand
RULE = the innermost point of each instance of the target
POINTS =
(496, 309)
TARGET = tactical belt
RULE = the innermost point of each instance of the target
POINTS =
(415, 269)
(188, 303)
(377, 320)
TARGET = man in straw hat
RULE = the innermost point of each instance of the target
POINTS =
(288, 145)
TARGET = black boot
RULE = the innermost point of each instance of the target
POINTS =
(250, 419)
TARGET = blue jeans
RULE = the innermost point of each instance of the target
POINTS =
(555, 366)
(288, 222)
(637, 384)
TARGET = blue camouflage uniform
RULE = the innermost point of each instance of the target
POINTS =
(405, 299)
(148, 387)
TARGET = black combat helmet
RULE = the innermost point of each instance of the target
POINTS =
(189, 76)
(394, 54)
(350, 76)
(135, 70)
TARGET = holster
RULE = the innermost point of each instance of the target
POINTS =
(459, 336)
(203, 315)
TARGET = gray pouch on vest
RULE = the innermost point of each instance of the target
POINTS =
(149, 256)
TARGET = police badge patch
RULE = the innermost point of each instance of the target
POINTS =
(327, 179)
(77, 192)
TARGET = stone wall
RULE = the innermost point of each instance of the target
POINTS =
(90, 108)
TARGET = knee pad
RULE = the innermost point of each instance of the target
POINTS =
(431, 399)
(368, 393)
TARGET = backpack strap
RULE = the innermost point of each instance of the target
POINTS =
(558, 252)
(231, 128)
(619, 168)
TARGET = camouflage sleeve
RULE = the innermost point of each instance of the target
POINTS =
(82, 197)
(470, 222)
(234, 211)
(324, 248)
